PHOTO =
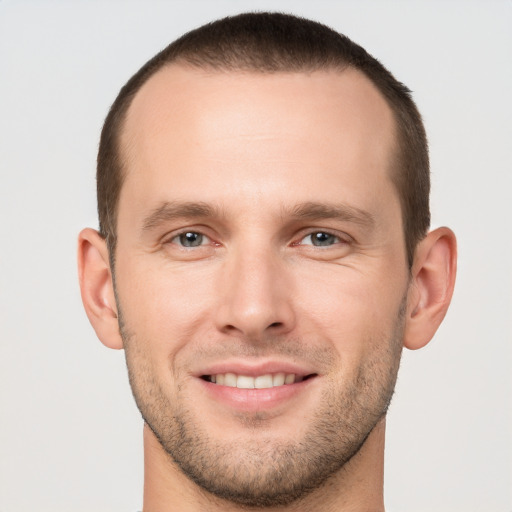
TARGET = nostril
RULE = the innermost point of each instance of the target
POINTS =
(276, 324)
(230, 328)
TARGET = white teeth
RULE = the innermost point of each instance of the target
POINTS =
(245, 382)
(289, 379)
(263, 381)
(278, 379)
(260, 382)
(230, 380)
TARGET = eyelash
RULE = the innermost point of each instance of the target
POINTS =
(189, 232)
(331, 236)
(178, 240)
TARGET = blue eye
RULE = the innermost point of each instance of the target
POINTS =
(320, 239)
(190, 239)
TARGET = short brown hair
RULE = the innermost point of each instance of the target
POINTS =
(267, 43)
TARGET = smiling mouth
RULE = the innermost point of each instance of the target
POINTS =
(269, 380)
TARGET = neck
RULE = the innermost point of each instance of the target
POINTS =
(357, 487)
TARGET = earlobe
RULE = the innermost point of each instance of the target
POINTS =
(431, 288)
(97, 288)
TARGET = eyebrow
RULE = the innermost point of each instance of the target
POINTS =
(343, 212)
(168, 211)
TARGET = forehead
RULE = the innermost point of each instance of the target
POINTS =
(196, 132)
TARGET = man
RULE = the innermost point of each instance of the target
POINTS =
(263, 257)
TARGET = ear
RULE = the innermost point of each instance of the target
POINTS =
(431, 288)
(97, 287)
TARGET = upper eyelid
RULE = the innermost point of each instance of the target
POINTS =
(303, 233)
(343, 236)
(171, 240)
(177, 235)
(323, 232)
(171, 235)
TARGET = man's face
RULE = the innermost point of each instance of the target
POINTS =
(259, 241)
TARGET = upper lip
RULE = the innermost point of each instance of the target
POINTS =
(253, 369)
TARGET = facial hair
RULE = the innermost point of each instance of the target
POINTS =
(264, 471)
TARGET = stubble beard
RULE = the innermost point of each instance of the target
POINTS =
(265, 471)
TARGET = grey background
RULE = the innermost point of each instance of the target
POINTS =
(70, 435)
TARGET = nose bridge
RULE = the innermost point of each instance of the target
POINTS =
(255, 299)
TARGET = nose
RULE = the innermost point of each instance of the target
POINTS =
(255, 296)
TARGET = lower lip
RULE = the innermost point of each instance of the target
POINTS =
(254, 400)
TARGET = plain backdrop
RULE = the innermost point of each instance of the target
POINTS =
(70, 435)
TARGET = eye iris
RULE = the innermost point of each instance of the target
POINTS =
(321, 238)
(191, 239)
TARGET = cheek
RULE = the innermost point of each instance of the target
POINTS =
(356, 311)
(162, 304)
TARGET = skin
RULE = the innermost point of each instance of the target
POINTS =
(256, 295)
